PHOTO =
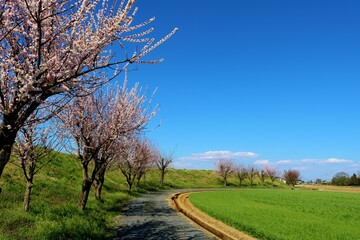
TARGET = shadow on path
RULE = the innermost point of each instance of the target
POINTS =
(150, 217)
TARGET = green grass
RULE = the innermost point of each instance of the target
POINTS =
(285, 214)
(185, 178)
(53, 209)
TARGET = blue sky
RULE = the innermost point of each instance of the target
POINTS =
(264, 82)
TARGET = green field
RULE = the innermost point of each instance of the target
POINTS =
(285, 214)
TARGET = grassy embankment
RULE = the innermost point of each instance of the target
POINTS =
(53, 210)
(285, 214)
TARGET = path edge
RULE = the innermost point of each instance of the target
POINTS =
(182, 203)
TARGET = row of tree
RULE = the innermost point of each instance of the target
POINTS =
(344, 179)
(104, 129)
(227, 167)
(54, 64)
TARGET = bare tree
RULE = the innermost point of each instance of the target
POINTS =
(97, 121)
(291, 177)
(53, 49)
(163, 163)
(252, 172)
(224, 167)
(272, 173)
(36, 147)
(241, 173)
(262, 176)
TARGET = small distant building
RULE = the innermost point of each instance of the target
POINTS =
(300, 181)
(282, 180)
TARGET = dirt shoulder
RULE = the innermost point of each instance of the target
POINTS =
(219, 229)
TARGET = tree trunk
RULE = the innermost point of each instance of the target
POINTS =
(162, 179)
(137, 184)
(98, 190)
(85, 190)
(6, 143)
(225, 181)
(130, 185)
(8, 130)
(7, 140)
(29, 185)
(138, 178)
(99, 183)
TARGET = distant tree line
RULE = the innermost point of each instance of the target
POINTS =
(226, 168)
(344, 179)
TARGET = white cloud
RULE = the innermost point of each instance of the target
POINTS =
(213, 155)
(314, 161)
(309, 160)
(182, 165)
(310, 168)
(336, 160)
(262, 162)
(283, 161)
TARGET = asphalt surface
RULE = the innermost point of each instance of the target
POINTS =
(151, 217)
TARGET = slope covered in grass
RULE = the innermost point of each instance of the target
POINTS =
(53, 209)
(186, 178)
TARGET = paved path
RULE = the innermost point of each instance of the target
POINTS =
(151, 217)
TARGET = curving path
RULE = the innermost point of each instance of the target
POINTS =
(151, 217)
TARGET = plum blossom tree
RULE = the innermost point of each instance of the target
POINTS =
(105, 156)
(262, 176)
(36, 146)
(50, 49)
(148, 157)
(241, 173)
(224, 167)
(252, 172)
(97, 121)
(134, 159)
(272, 173)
